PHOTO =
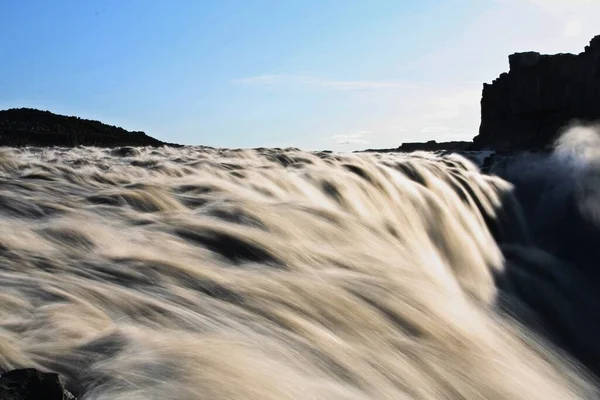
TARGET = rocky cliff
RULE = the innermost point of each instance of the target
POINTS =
(29, 127)
(527, 107)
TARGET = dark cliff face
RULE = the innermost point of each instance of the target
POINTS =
(527, 107)
(29, 127)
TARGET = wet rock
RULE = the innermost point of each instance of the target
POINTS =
(31, 384)
(127, 151)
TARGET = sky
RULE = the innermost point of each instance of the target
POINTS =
(315, 74)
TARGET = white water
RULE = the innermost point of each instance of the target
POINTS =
(199, 273)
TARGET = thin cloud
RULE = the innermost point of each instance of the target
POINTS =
(352, 138)
(352, 141)
(309, 81)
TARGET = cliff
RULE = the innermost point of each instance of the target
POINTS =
(29, 127)
(527, 107)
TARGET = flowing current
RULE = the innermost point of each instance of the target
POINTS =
(201, 273)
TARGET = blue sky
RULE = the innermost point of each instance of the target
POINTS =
(315, 74)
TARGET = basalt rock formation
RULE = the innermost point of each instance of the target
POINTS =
(526, 108)
(30, 127)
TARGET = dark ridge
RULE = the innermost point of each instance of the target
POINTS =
(430, 145)
(30, 127)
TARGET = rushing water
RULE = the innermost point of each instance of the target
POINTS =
(201, 273)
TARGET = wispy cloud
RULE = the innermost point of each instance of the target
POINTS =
(314, 82)
(352, 138)
(352, 141)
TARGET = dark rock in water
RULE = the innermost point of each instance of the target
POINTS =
(29, 127)
(527, 107)
(124, 152)
(31, 384)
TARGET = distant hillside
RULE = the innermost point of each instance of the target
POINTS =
(30, 127)
(431, 145)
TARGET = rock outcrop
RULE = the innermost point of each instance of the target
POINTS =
(526, 108)
(30, 127)
(431, 145)
(31, 384)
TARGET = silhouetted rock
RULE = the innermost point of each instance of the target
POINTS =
(31, 384)
(431, 145)
(124, 151)
(29, 127)
(527, 107)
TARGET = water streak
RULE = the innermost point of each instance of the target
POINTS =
(201, 273)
